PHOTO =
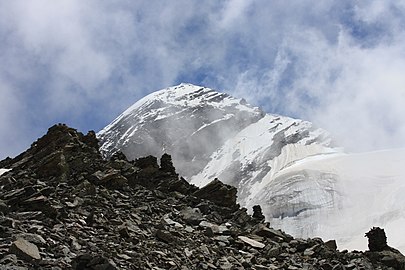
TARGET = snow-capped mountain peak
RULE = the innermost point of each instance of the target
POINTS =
(188, 121)
(286, 165)
(192, 123)
(214, 135)
(187, 95)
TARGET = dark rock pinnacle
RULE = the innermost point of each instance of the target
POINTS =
(377, 240)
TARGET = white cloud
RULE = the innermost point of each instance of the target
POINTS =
(83, 62)
(352, 90)
(232, 11)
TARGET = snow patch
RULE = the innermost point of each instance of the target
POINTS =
(3, 171)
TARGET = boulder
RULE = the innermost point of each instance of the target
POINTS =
(111, 179)
(92, 262)
(25, 250)
(251, 242)
(331, 244)
(165, 236)
(273, 234)
(191, 216)
(219, 193)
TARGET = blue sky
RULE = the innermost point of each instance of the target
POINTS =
(339, 64)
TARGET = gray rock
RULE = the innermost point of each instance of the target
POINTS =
(4, 207)
(263, 231)
(257, 213)
(274, 251)
(169, 221)
(9, 267)
(309, 252)
(110, 179)
(32, 238)
(90, 262)
(260, 267)
(251, 242)
(218, 192)
(208, 225)
(331, 244)
(224, 264)
(165, 236)
(25, 250)
(191, 216)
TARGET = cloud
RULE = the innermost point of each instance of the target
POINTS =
(352, 86)
(83, 62)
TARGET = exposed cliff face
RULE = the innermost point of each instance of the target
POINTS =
(64, 207)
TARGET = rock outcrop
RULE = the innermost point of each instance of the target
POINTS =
(64, 207)
(218, 192)
(380, 251)
(377, 240)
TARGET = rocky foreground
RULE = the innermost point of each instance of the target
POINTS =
(63, 207)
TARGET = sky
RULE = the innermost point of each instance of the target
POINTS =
(339, 64)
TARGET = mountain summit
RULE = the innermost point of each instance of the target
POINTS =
(304, 184)
(188, 121)
(213, 135)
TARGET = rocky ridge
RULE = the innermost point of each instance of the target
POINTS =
(62, 206)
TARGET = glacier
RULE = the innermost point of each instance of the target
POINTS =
(306, 185)
(370, 186)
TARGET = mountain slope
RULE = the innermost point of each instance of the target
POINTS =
(193, 122)
(64, 207)
(188, 121)
(251, 158)
(286, 165)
